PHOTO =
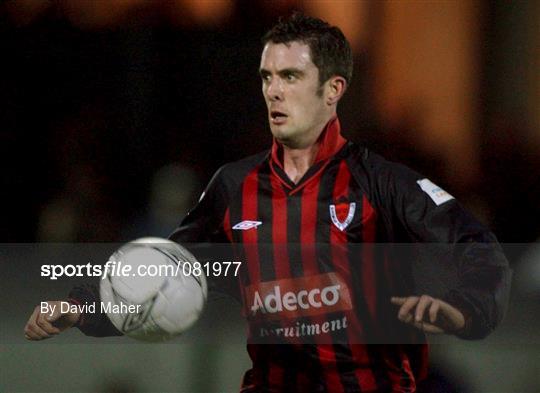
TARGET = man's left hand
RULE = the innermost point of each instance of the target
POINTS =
(429, 314)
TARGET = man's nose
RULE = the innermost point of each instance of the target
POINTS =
(274, 90)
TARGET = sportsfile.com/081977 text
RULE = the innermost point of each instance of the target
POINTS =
(120, 269)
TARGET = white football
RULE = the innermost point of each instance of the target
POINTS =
(161, 296)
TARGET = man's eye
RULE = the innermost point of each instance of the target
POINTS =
(290, 77)
(265, 78)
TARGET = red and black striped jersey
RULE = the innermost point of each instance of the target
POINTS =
(321, 261)
(315, 284)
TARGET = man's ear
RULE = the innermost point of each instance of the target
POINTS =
(336, 87)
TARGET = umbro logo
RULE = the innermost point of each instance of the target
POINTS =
(247, 224)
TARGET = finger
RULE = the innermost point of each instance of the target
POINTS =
(452, 318)
(428, 327)
(408, 319)
(34, 315)
(46, 325)
(36, 332)
(434, 310)
(34, 326)
(398, 301)
(423, 303)
(29, 334)
(56, 314)
(31, 329)
(32, 336)
(407, 306)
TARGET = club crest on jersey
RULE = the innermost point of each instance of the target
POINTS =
(247, 224)
(342, 214)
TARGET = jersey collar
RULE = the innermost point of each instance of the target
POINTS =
(330, 142)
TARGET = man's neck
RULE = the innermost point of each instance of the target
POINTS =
(296, 162)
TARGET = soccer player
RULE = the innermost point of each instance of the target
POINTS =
(305, 216)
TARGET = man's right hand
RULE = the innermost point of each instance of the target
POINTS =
(46, 325)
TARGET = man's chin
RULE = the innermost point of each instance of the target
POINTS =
(288, 141)
(286, 137)
(279, 132)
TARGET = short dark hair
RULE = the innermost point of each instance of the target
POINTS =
(330, 50)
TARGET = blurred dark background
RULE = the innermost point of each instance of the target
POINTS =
(114, 115)
(97, 97)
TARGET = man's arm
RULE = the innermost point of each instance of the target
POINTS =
(203, 224)
(202, 232)
(427, 214)
(200, 225)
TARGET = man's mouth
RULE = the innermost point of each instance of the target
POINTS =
(278, 117)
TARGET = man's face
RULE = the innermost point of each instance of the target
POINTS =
(290, 84)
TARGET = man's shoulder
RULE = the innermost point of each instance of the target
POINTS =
(249, 162)
(236, 171)
(375, 165)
